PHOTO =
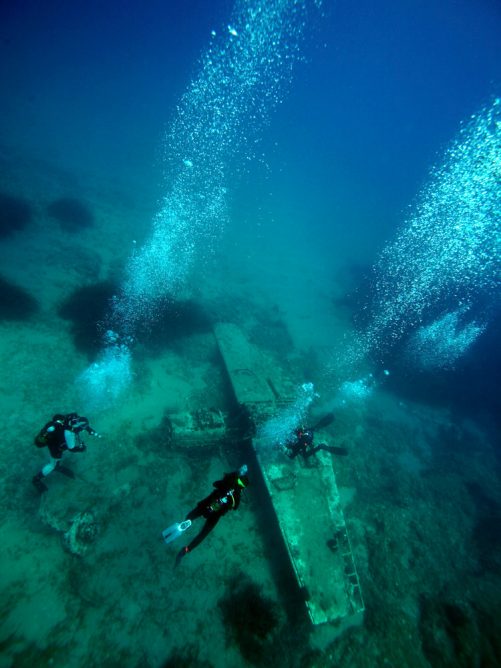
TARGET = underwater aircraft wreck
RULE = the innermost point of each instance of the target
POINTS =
(304, 496)
(303, 492)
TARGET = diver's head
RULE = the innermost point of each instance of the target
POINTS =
(76, 422)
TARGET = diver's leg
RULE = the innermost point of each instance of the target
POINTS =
(48, 468)
(295, 451)
(38, 479)
(65, 470)
(194, 514)
(210, 523)
(333, 449)
(312, 451)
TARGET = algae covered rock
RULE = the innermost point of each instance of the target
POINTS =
(82, 532)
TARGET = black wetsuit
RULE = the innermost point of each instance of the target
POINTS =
(54, 438)
(56, 441)
(60, 434)
(303, 445)
(302, 442)
(224, 498)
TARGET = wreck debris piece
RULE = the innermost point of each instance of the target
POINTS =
(305, 498)
(81, 534)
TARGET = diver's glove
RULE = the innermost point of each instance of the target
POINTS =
(81, 447)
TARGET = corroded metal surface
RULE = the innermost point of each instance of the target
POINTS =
(304, 493)
(306, 501)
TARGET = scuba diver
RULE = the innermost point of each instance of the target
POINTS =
(60, 434)
(301, 442)
(224, 498)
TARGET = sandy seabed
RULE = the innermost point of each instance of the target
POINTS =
(420, 485)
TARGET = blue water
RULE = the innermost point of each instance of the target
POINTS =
(97, 86)
(310, 206)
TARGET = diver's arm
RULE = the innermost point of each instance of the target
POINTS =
(73, 442)
(70, 439)
(237, 494)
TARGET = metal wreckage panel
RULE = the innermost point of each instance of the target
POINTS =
(304, 494)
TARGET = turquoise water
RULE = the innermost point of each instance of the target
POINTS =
(326, 177)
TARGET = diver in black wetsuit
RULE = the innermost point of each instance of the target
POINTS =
(61, 434)
(301, 442)
(224, 498)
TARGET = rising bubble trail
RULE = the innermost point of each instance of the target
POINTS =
(242, 76)
(436, 285)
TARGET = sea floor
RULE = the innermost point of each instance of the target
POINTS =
(420, 485)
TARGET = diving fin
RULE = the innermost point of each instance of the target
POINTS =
(174, 531)
(324, 422)
(37, 481)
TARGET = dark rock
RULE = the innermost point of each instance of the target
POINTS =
(15, 303)
(70, 213)
(15, 214)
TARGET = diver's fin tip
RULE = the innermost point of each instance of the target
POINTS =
(174, 531)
